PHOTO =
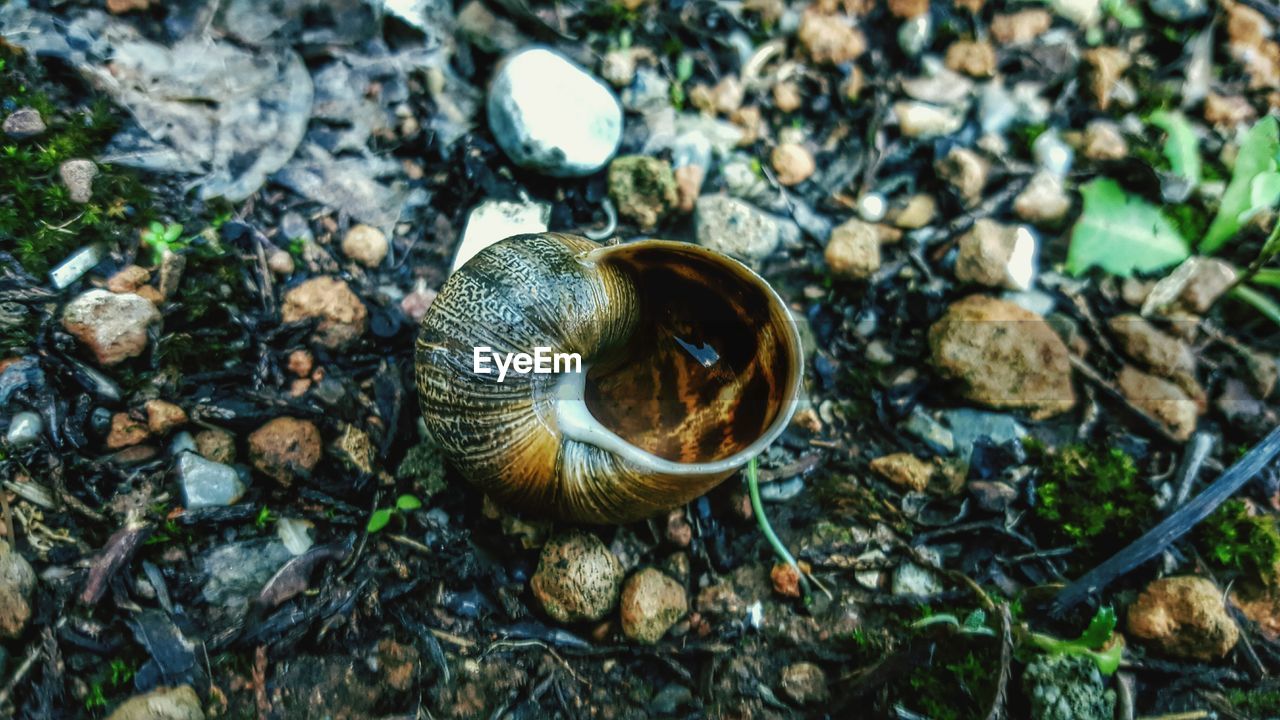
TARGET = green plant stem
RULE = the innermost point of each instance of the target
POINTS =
(1260, 302)
(1268, 276)
(757, 507)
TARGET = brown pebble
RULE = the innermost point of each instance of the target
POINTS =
(163, 416)
(126, 431)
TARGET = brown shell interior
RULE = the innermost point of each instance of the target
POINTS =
(703, 375)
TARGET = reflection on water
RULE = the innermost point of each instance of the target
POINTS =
(704, 353)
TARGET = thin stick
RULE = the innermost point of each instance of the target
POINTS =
(1173, 527)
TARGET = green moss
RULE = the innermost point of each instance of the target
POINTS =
(424, 465)
(1244, 543)
(39, 224)
(1256, 702)
(957, 685)
(1089, 498)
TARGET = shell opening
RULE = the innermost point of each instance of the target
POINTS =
(709, 372)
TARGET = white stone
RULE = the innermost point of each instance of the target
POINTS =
(295, 534)
(206, 483)
(921, 120)
(737, 228)
(76, 265)
(1021, 269)
(494, 220)
(1080, 12)
(550, 115)
(24, 429)
(1052, 154)
(872, 207)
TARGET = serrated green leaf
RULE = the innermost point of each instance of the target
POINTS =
(1100, 628)
(408, 502)
(1181, 146)
(1122, 234)
(379, 520)
(1257, 155)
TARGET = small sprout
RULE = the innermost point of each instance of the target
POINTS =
(265, 516)
(382, 516)
(161, 238)
(975, 623)
(1090, 643)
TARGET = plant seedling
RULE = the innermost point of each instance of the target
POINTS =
(382, 516)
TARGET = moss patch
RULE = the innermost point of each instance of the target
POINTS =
(1244, 543)
(1089, 498)
(39, 224)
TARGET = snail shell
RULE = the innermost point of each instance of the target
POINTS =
(691, 365)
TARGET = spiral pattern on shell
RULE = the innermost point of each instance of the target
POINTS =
(691, 365)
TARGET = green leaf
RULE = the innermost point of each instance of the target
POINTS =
(1121, 234)
(379, 519)
(1260, 302)
(173, 232)
(1124, 12)
(408, 502)
(1257, 155)
(1264, 191)
(1100, 628)
(1181, 146)
(156, 228)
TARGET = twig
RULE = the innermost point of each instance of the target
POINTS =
(1173, 527)
(260, 697)
(997, 711)
(30, 660)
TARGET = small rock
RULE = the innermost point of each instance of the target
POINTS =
(1021, 27)
(355, 449)
(1052, 154)
(921, 120)
(736, 228)
(24, 429)
(651, 603)
(643, 189)
(113, 325)
(495, 220)
(907, 9)
(915, 34)
(940, 86)
(172, 266)
(618, 67)
(206, 483)
(216, 445)
(280, 263)
(911, 579)
(577, 578)
(285, 448)
(163, 416)
(973, 58)
(670, 699)
(918, 211)
(852, 86)
(128, 279)
(904, 470)
(786, 578)
(805, 683)
(342, 316)
(969, 427)
(1067, 687)
(77, 176)
(1193, 287)
(1179, 10)
(679, 531)
(997, 255)
(17, 582)
(966, 171)
(872, 207)
(991, 495)
(853, 250)
(301, 363)
(164, 703)
(1044, 201)
(120, 7)
(1103, 141)
(550, 115)
(1081, 12)
(1003, 356)
(726, 97)
(125, 431)
(792, 163)
(23, 123)
(1161, 399)
(1263, 371)
(1107, 65)
(1227, 111)
(787, 96)
(1162, 354)
(365, 244)
(1184, 617)
(830, 38)
(1243, 409)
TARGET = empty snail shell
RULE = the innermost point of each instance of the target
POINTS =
(690, 365)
